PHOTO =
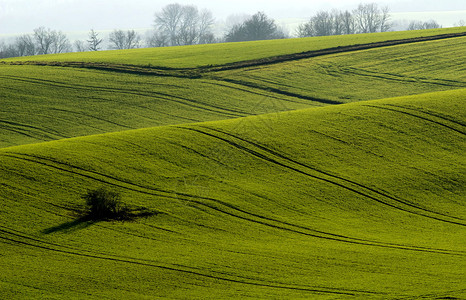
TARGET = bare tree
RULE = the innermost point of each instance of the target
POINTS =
(60, 43)
(323, 24)
(133, 40)
(8, 50)
(206, 20)
(258, 27)
(349, 26)
(418, 25)
(305, 30)
(94, 41)
(188, 30)
(157, 39)
(338, 22)
(369, 18)
(25, 45)
(80, 46)
(168, 21)
(328, 23)
(183, 25)
(385, 25)
(44, 40)
(120, 39)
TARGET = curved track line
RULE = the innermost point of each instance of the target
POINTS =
(429, 113)
(164, 96)
(382, 193)
(331, 181)
(416, 116)
(403, 78)
(197, 72)
(16, 239)
(189, 198)
(27, 130)
(276, 91)
(328, 51)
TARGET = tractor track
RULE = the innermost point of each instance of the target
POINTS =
(14, 237)
(365, 191)
(200, 71)
(430, 113)
(223, 207)
(427, 119)
(158, 95)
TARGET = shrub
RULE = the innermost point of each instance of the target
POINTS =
(103, 204)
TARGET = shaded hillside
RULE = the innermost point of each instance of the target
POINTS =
(47, 103)
(50, 102)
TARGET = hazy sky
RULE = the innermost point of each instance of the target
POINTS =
(22, 16)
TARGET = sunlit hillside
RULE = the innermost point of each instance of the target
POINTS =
(338, 176)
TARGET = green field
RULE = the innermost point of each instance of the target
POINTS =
(340, 176)
(218, 54)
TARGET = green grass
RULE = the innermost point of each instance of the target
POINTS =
(357, 200)
(47, 103)
(256, 187)
(217, 54)
(42, 103)
(366, 75)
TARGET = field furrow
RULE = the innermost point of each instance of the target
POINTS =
(327, 168)
(278, 159)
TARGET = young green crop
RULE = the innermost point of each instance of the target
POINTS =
(358, 200)
(217, 54)
(42, 103)
(365, 75)
(49, 103)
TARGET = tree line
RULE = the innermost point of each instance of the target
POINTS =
(42, 41)
(177, 25)
(366, 18)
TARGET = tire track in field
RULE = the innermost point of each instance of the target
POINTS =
(164, 96)
(328, 51)
(81, 113)
(440, 295)
(188, 198)
(198, 72)
(263, 91)
(276, 91)
(19, 132)
(446, 118)
(430, 120)
(402, 78)
(16, 238)
(365, 191)
(145, 108)
(29, 130)
(221, 207)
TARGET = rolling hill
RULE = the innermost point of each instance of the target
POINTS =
(339, 176)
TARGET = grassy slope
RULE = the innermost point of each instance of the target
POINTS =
(42, 103)
(366, 75)
(216, 54)
(46, 103)
(363, 199)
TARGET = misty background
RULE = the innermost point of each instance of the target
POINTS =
(76, 17)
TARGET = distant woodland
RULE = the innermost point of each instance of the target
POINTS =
(178, 25)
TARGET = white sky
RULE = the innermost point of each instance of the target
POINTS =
(22, 16)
